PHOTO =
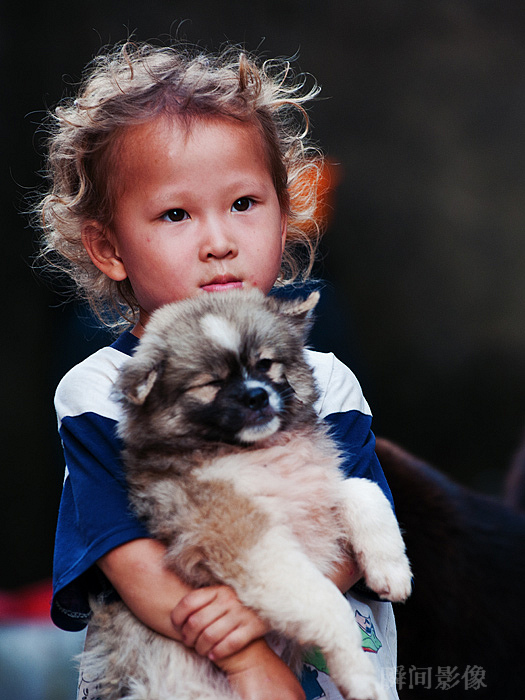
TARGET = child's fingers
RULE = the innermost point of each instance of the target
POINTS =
(230, 633)
(209, 625)
(191, 604)
(197, 612)
(214, 634)
(214, 619)
(233, 642)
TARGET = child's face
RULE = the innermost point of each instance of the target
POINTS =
(196, 211)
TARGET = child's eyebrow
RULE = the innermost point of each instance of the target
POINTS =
(245, 185)
(240, 187)
(169, 195)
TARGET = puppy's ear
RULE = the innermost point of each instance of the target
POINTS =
(138, 392)
(135, 383)
(301, 308)
(298, 311)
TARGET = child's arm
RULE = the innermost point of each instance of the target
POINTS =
(257, 673)
(200, 618)
(213, 621)
(136, 570)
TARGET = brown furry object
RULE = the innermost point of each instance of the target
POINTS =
(465, 618)
(515, 481)
(231, 468)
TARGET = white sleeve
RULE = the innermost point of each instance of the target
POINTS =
(338, 386)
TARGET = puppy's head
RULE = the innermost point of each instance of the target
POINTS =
(219, 368)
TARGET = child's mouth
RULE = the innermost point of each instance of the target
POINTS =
(221, 284)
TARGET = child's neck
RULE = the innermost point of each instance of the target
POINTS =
(138, 330)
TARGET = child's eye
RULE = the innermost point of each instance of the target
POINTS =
(242, 204)
(175, 215)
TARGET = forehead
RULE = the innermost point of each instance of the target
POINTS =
(148, 144)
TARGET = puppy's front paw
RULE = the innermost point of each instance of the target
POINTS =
(364, 687)
(392, 581)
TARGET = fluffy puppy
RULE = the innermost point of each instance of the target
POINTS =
(232, 470)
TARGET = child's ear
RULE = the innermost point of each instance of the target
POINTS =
(284, 229)
(102, 251)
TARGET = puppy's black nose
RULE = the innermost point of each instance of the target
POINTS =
(255, 398)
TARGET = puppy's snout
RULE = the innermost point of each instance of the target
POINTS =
(256, 398)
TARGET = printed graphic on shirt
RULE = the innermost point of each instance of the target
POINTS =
(315, 678)
(88, 689)
(310, 684)
(370, 640)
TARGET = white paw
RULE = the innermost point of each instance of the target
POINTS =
(364, 687)
(392, 581)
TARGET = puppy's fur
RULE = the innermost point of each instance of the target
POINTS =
(230, 467)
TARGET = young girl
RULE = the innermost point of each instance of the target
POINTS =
(176, 174)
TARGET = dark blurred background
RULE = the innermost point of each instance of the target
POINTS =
(423, 107)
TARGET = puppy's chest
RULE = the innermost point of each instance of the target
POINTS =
(296, 484)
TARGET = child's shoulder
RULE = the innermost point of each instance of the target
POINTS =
(87, 386)
(338, 386)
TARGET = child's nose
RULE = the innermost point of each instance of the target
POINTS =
(219, 242)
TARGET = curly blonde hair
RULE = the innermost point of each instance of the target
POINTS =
(133, 84)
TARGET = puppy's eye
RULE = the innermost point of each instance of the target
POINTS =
(205, 388)
(263, 365)
(211, 382)
(204, 380)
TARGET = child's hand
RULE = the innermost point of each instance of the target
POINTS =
(257, 673)
(215, 623)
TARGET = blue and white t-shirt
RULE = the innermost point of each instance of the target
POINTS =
(94, 512)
